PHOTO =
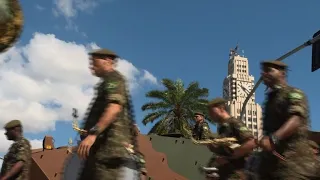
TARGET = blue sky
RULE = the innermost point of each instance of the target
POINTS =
(184, 39)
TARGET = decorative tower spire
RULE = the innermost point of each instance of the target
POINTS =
(233, 52)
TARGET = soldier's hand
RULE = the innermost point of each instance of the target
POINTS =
(212, 147)
(222, 160)
(3, 178)
(265, 144)
(85, 146)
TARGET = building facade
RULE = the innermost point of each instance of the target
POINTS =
(236, 87)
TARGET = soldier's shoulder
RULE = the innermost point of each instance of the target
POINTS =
(234, 120)
(118, 76)
(114, 75)
(238, 123)
(295, 93)
(205, 123)
(23, 142)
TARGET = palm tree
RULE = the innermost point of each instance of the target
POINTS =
(174, 107)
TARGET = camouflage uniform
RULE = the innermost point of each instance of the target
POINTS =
(141, 163)
(20, 150)
(313, 144)
(201, 130)
(281, 103)
(230, 128)
(108, 154)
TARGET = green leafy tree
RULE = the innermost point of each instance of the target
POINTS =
(173, 107)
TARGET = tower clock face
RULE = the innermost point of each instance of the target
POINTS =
(243, 88)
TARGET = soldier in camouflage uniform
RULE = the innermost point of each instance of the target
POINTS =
(17, 162)
(285, 127)
(230, 163)
(140, 159)
(315, 147)
(201, 130)
(109, 124)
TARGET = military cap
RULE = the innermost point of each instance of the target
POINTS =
(198, 113)
(313, 144)
(12, 124)
(103, 52)
(216, 102)
(276, 64)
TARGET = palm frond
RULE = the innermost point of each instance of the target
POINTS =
(161, 127)
(149, 118)
(161, 95)
(155, 106)
(168, 83)
(174, 110)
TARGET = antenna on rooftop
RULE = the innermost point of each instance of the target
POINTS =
(75, 116)
(75, 124)
(234, 52)
(70, 144)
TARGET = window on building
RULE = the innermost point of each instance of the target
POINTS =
(249, 119)
(250, 126)
(249, 112)
(255, 134)
(255, 120)
(255, 126)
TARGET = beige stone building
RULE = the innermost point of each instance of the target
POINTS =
(236, 86)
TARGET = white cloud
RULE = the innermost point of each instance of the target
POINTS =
(147, 76)
(70, 8)
(36, 143)
(40, 8)
(5, 144)
(42, 81)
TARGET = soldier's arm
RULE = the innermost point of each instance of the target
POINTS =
(193, 132)
(142, 166)
(298, 111)
(21, 157)
(205, 131)
(114, 89)
(245, 137)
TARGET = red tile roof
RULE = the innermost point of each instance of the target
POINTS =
(49, 164)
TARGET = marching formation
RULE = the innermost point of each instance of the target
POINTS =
(284, 152)
(110, 150)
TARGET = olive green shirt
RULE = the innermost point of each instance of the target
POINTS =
(280, 105)
(112, 89)
(201, 131)
(20, 150)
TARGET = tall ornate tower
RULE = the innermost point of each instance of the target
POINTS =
(236, 86)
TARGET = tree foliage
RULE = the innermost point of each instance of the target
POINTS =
(173, 108)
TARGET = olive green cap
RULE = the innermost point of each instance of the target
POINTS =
(12, 124)
(313, 144)
(198, 113)
(275, 64)
(103, 52)
(217, 102)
